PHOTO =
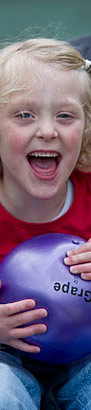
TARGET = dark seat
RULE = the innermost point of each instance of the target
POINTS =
(83, 44)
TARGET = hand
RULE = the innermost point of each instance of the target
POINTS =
(81, 258)
(14, 315)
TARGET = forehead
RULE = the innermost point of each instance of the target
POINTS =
(43, 81)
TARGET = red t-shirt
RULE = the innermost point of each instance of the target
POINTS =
(76, 221)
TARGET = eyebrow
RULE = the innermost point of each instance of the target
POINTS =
(31, 103)
(28, 103)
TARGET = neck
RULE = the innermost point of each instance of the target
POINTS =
(32, 209)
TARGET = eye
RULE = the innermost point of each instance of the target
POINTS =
(65, 115)
(25, 115)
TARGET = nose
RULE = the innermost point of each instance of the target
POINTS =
(46, 130)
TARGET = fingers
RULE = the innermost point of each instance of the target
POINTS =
(80, 264)
(81, 258)
(86, 267)
(78, 258)
(16, 307)
(27, 316)
(25, 347)
(81, 249)
(86, 276)
(19, 333)
(14, 316)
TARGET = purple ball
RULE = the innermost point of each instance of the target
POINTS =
(35, 269)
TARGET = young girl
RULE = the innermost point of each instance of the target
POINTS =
(45, 186)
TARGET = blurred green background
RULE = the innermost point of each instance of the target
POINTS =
(63, 19)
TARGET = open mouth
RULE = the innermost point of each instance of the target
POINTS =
(44, 164)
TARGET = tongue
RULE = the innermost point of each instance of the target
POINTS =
(43, 165)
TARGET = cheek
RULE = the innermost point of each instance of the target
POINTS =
(16, 144)
(73, 145)
(11, 151)
(75, 138)
(76, 141)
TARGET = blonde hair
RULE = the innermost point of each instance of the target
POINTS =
(15, 58)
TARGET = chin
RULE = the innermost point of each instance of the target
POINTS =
(44, 194)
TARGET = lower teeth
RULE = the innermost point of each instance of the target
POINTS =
(41, 173)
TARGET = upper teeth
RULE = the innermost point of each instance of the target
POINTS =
(42, 154)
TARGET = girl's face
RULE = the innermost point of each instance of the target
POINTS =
(41, 132)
